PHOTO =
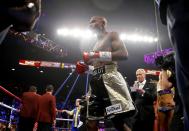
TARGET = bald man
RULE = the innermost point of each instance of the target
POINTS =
(112, 97)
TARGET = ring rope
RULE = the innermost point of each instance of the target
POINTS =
(9, 107)
(9, 93)
(61, 119)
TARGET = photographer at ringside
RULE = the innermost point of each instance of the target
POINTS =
(175, 15)
(20, 15)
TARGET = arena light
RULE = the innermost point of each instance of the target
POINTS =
(155, 39)
(137, 38)
(87, 34)
(63, 32)
(76, 32)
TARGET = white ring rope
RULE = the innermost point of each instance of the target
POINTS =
(14, 109)
(9, 107)
(1, 120)
(61, 119)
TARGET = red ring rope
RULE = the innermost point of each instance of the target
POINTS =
(9, 93)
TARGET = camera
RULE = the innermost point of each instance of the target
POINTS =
(167, 62)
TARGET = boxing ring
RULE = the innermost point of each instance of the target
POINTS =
(9, 122)
(12, 124)
(59, 121)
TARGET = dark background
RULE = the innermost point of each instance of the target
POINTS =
(122, 15)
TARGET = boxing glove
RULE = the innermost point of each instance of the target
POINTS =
(81, 67)
(97, 55)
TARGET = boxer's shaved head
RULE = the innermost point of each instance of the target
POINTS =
(98, 23)
(99, 18)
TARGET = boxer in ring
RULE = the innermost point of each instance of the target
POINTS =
(113, 99)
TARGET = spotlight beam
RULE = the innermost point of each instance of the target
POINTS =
(62, 85)
(87, 82)
(70, 92)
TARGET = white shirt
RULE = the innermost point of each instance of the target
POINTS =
(141, 84)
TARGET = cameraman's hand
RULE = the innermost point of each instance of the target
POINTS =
(87, 97)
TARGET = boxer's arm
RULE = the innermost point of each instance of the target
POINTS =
(119, 50)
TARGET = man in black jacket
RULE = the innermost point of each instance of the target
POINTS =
(144, 96)
(175, 14)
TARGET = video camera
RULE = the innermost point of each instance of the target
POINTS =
(167, 62)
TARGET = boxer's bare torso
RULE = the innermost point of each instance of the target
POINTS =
(104, 44)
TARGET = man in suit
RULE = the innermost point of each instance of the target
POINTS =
(29, 109)
(175, 14)
(47, 110)
(144, 96)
